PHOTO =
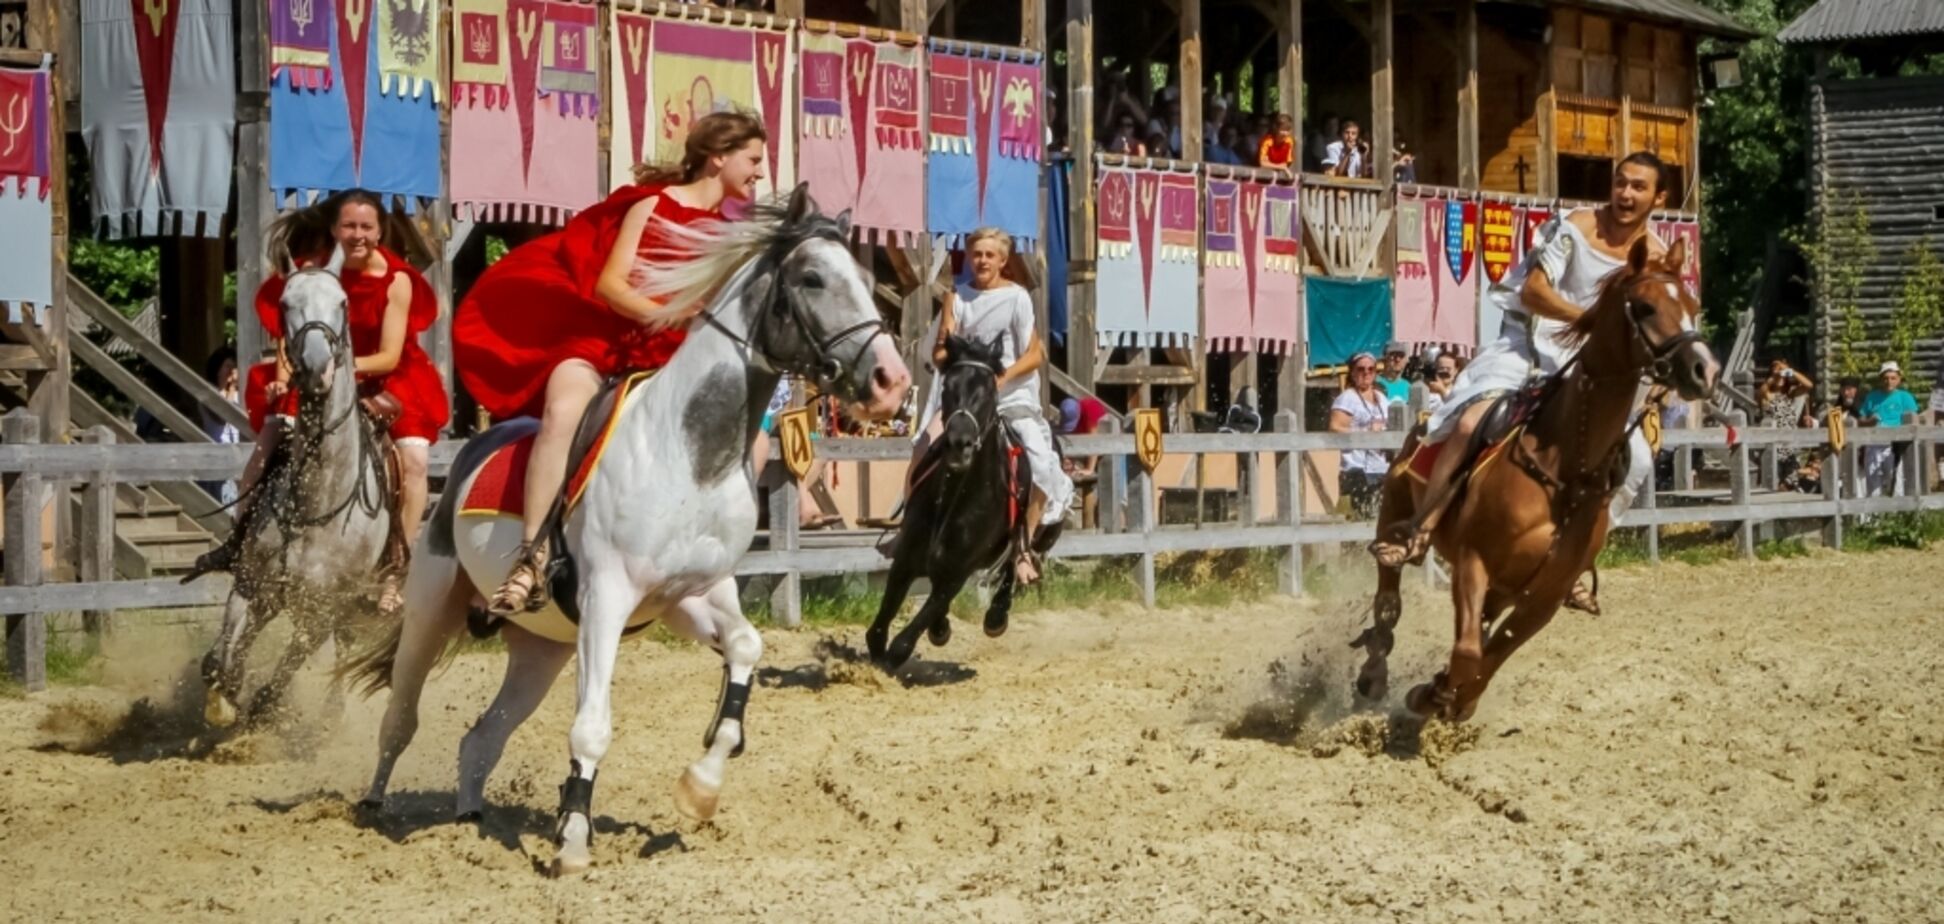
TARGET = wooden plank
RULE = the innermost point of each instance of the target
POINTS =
(96, 309)
(1548, 116)
(1082, 337)
(21, 357)
(1383, 99)
(1470, 166)
(25, 498)
(136, 390)
(1290, 382)
(255, 206)
(1190, 63)
(1032, 24)
(1148, 375)
(154, 593)
(95, 534)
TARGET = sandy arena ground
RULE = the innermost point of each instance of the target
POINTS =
(1728, 743)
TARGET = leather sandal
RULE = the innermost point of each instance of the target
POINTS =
(521, 591)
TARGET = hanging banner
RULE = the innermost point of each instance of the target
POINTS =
(859, 105)
(26, 206)
(1497, 228)
(1436, 302)
(408, 48)
(525, 115)
(343, 132)
(673, 72)
(1251, 293)
(1148, 283)
(300, 42)
(1688, 230)
(158, 113)
(985, 120)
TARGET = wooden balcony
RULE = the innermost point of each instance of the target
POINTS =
(1344, 225)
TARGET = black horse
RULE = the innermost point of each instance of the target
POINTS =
(964, 509)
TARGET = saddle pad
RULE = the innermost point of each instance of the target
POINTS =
(1421, 461)
(500, 487)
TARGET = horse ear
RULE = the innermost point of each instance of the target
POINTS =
(337, 261)
(801, 205)
(844, 223)
(1637, 257)
(1676, 258)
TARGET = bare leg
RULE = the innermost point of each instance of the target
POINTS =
(414, 461)
(715, 619)
(435, 611)
(569, 389)
(1024, 567)
(1389, 551)
(532, 663)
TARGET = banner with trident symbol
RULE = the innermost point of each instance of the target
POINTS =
(26, 215)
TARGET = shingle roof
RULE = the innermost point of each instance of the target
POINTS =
(1840, 20)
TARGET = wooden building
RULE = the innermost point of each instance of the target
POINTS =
(1877, 178)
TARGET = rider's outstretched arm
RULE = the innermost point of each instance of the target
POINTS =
(1539, 297)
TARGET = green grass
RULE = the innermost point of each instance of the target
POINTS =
(1915, 529)
(73, 659)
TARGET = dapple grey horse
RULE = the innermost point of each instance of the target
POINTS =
(668, 511)
(321, 520)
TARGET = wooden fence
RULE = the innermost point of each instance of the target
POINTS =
(1271, 477)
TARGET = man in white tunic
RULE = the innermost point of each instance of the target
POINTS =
(1555, 283)
(992, 307)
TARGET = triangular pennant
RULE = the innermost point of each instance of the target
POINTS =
(860, 68)
(772, 48)
(523, 25)
(633, 33)
(155, 34)
(1252, 218)
(354, 56)
(1147, 195)
(985, 100)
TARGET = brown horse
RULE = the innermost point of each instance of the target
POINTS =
(1531, 521)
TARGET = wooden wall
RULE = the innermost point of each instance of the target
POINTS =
(1511, 68)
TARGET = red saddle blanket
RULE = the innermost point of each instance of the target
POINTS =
(1421, 461)
(500, 487)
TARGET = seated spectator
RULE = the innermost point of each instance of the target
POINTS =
(1165, 121)
(1849, 394)
(1278, 149)
(1348, 156)
(1322, 138)
(1884, 406)
(1219, 147)
(1125, 141)
(1395, 383)
(1363, 407)
(1216, 117)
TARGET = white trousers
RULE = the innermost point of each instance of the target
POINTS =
(1035, 438)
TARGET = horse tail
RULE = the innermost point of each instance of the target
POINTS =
(369, 669)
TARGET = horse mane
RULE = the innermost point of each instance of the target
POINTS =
(959, 348)
(698, 260)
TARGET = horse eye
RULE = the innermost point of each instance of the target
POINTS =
(812, 280)
(1641, 311)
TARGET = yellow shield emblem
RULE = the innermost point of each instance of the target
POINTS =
(1147, 437)
(1650, 426)
(798, 451)
(1837, 436)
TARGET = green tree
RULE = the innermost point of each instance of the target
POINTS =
(1838, 248)
(1919, 313)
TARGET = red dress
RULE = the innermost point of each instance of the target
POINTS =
(414, 381)
(536, 309)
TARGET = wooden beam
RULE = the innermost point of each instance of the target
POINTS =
(95, 309)
(1190, 63)
(20, 357)
(1032, 24)
(914, 16)
(255, 207)
(790, 9)
(136, 390)
(1082, 338)
(1147, 375)
(1470, 166)
(1383, 103)
(1290, 383)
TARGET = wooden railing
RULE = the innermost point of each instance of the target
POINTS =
(1344, 225)
(1271, 494)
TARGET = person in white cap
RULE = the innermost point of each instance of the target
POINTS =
(1884, 406)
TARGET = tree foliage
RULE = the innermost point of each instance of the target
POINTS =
(124, 275)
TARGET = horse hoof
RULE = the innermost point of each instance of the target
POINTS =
(369, 804)
(1422, 700)
(471, 817)
(217, 710)
(575, 840)
(695, 797)
(939, 633)
(1374, 681)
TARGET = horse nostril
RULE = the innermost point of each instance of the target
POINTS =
(881, 379)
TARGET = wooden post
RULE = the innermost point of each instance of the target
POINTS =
(48, 389)
(1832, 491)
(1771, 481)
(1289, 504)
(1470, 170)
(790, 9)
(436, 225)
(1289, 370)
(1650, 500)
(25, 499)
(915, 16)
(1383, 105)
(1109, 490)
(255, 205)
(1911, 471)
(1082, 340)
(1548, 166)
(786, 598)
(96, 534)
(1032, 24)
(1738, 486)
(1191, 81)
(1140, 516)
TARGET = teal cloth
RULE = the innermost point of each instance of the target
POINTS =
(1346, 317)
(1889, 407)
(1397, 389)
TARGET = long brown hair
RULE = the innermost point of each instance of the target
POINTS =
(713, 135)
(306, 233)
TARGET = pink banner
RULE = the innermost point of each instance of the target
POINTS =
(860, 147)
(1687, 231)
(1020, 101)
(1436, 293)
(1251, 294)
(535, 55)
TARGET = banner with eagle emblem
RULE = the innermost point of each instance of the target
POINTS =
(408, 48)
(859, 105)
(158, 113)
(985, 118)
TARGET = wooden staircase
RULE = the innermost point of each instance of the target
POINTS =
(154, 536)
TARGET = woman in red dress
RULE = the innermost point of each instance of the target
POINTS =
(546, 324)
(388, 304)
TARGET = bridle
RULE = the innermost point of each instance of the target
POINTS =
(366, 494)
(823, 366)
(1659, 355)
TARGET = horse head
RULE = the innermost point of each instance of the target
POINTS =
(813, 314)
(1646, 305)
(316, 340)
(968, 391)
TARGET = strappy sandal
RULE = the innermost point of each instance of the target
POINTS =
(1397, 555)
(1031, 560)
(1581, 598)
(524, 589)
(391, 594)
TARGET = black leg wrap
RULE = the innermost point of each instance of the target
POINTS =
(576, 796)
(729, 705)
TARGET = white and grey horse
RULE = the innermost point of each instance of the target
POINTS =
(662, 521)
(320, 519)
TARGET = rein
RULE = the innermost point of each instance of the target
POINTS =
(823, 366)
(313, 429)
